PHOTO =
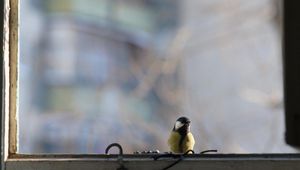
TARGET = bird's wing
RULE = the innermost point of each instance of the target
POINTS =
(189, 142)
(173, 142)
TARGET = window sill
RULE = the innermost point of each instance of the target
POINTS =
(140, 162)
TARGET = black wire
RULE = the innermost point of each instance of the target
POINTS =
(181, 156)
(167, 155)
(180, 159)
(206, 151)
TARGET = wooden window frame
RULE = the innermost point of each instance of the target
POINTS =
(11, 160)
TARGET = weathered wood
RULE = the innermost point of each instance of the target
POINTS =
(1, 80)
(233, 163)
(13, 74)
(5, 89)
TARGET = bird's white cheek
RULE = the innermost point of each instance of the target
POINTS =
(178, 125)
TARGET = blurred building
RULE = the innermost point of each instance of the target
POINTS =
(103, 71)
(87, 73)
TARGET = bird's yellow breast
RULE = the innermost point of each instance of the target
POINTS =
(187, 144)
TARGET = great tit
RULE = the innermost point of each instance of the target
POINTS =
(181, 139)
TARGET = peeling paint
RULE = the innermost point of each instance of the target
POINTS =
(13, 74)
(6, 77)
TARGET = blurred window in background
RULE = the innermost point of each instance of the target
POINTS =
(103, 71)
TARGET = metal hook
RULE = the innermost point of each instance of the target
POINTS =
(114, 145)
(120, 156)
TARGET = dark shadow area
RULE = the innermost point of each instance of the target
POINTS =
(292, 71)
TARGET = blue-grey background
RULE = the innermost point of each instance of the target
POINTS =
(102, 71)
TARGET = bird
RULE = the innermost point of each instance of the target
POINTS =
(181, 140)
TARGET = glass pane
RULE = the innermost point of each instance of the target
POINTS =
(103, 71)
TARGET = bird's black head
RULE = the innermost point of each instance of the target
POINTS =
(182, 124)
(184, 120)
